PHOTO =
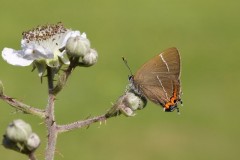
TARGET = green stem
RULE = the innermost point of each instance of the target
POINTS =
(50, 76)
(50, 118)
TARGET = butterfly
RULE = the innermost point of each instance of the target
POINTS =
(159, 80)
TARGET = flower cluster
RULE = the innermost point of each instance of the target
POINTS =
(51, 45)
(127, 104)
(19, 137)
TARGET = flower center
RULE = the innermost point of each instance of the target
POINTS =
(43, 33)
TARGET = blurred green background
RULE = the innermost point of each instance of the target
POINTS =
(206, 32)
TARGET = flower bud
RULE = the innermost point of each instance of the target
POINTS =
(135, 101)
(33, 142)
(18, 131)
(132, 102)
(127, 104)
(77, 46)
(127, 111)
(1, 88)
(90, 58)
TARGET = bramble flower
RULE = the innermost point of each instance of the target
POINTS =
(43, 46)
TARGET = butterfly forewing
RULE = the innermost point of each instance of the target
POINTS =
(158, 78)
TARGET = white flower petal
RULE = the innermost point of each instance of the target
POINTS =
(37, 52)
(84, 35)
(47, 43)
(15, 57)
(24, 43)
(29, 54)
(75, 33)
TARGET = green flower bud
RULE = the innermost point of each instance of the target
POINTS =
(132, 102)
(18, 131)
(77, 46)
(127, 104)
(33, 142)
(90, 58)
(135, 102)
(127, 111)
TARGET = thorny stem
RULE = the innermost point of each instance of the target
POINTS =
(48, 114)
(51, 127)
(50, 118)
(23, 107)
(81, 123)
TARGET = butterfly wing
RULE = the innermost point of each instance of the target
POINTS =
(158, 79)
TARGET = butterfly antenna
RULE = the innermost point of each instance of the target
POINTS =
(126, 63)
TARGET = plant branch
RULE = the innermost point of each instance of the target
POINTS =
(114, 111)
(31, 156)
(51, 127)
(81, 123)
(50, 118)
(23, 107)
(64, 76)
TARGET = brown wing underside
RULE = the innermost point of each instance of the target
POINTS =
(158, 78)
(159, 94)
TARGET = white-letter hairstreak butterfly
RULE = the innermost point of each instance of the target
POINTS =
(159, 80)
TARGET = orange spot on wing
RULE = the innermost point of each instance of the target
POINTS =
(172, 99)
